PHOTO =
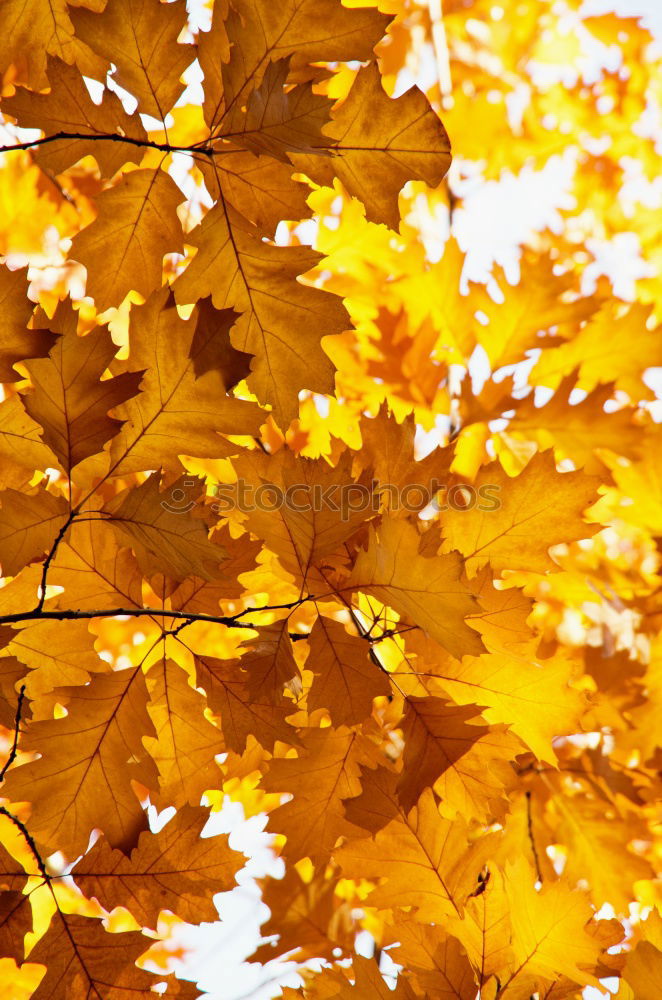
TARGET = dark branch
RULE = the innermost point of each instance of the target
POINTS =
(164, 147)
(232, 621)
(27, 836)
(51, 555)
(17, 725)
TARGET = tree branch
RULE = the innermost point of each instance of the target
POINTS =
(165, 147)
(17, 723)
(70, 614)
(51, 555)
(27, 836)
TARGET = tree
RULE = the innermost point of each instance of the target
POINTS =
(228, 569)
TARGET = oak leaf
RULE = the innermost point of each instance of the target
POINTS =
(186, 743)
(79, 952)
(245, 710)
(612, 347)
(346, 679)
(177, 412)
(176, 869)
(68, 398)
(447, 747)
(324, 774)
(303, 509)
(68, 107)
(439, 963)
(136, 226)
(524, 517)
(15, 923)
(17, 342)
(29, 524)
(140, 38)
(282, 320)
(164, 538)
(309, 31)
(428, 592)
(418, 859)
(380, 143)
(82, 780)
(279, 122)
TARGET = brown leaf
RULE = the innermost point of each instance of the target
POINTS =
(428, 592)
(175, 869)
(186, 744)
(380, 143)
(137, 225)
(176, 412)
(69, 399)
(283, 320)
(82, 778)
(29, 523)
(93, 963)
(164, 538)
(346, 678)
(140, 38)
(17, 342)
(68, 107)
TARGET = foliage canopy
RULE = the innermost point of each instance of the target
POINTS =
(230, 568)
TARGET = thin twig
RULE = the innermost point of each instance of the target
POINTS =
(529, 826)
(17, 724)
(27, 836)
(70, 614)
(51, 555)
(164, 147)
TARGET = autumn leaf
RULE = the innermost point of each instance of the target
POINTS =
(18, 343)
(442, 739)
(186, 744)
(33, 31)
(68, 108)
(380, 144)
(577, 431)
(438, 961)
(177, 411)
(282, 319)
(15, 923)
(136, 226)
(68, 398)
(96, 747)
(245, 709)
(79, 951)
(428, 592)
(30, 523)
(141, 40)
(632, 347)
(430, 864)
(173, 870)
(307, 916)
(165, 539)
(304, 509)
(277, 121)
(346, 679)
(368, 981)
(307, 31)
(326, 773)
(524, 516)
